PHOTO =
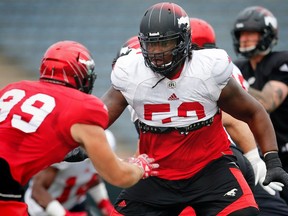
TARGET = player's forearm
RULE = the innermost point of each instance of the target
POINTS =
(261, 122)
(239, 132)
(41, 196)
(129, 173)
(125, 175)
(265, 100)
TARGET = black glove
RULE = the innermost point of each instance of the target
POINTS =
(76, 155)
(275, 171)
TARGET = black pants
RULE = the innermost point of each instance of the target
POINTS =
(9, 188)
(219, 187)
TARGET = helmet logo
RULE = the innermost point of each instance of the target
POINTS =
(154, 34)
(270, 20)
(89, 64)
(239, 25)
(184, 21)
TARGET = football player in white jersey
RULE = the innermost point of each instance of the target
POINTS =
(67, 184)
(177, 93)
(267, 197)
(204, 36)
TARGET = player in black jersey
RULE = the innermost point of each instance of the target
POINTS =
(254, 34)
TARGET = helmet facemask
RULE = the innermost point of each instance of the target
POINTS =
(177, 54)
(86, 84)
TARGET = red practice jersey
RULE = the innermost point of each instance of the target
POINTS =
(35, 122)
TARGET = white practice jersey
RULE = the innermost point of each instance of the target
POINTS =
(71, 184)
(69, 187)
(237, 75)
(192, 95)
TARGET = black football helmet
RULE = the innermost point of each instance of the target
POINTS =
(258, 19)
(163, 22)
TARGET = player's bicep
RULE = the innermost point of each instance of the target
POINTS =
(94, 140)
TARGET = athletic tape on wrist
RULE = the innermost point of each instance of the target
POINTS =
(54, 208)
(252, 154)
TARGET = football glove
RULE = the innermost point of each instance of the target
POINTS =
(145, 164)
(275, 171)
(259, 168)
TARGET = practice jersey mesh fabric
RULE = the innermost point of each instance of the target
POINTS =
(190, 98)
(35, 122)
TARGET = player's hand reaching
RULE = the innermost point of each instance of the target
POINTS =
(259, 168)
(275, 171)
(145, 163)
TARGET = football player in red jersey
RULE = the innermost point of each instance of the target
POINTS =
(41, 121)
(176, 93)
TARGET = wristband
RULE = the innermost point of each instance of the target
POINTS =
(54, 208)
(270, 152)
(272, 160)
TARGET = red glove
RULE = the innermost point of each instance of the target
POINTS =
(68, 213)
(146, 164)
(106, 207)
